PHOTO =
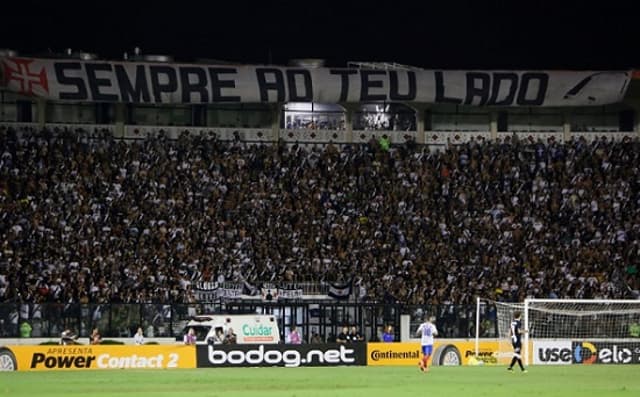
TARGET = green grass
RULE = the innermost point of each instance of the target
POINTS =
(561, 381)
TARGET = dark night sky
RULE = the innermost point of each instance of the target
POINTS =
(446, 34)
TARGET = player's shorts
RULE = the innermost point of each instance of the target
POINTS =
(516, 346)
(427, 349)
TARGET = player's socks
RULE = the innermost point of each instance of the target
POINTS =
(520, 364)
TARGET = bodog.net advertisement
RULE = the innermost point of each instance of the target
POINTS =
(444, 353)
(79, 357)
(313, 355)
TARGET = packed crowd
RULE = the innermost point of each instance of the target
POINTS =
(87, 218)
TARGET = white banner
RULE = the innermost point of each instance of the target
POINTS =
(340, 291)
(157, 83)
(211, 291)
(290, 293)
(552, 352)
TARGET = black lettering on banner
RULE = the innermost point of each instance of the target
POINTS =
(498, 78)
(138, 92)
(80, 93)
(171, 85)
(293, 88)
(276, 83)
(366, 84)
(198, 87)
(525, 83)
(61, 361)
(440, 91)
(481, 91)
(554, 355)
(36, 359)
(394, 93)
(378, 355)
(484, 356)
(344, 82)
(217, 84)
(95, 82)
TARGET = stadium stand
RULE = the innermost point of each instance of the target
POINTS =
(325, 197)
(92, 219)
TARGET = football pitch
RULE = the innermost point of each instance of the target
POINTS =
(562, 381)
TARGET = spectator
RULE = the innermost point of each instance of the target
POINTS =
(138, 338)
(343, 337)
(634, 330)
(230, 337)
(95, 338)
(355, 335)
(68, 337)
(218, 338)
(89, 219)
(384, 142)
(25, 330)
(387, 335)
(315, 338)
(294, 336)
(190, 337)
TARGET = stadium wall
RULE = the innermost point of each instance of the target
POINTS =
(432, 139)
(447, 352)
(39, 341)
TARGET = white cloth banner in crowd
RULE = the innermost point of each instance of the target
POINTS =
(210, 291)
(171, 83)
(340, 291)
(272, 294)
(290, 293)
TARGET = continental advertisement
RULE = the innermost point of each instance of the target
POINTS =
(42, 358)
(444, 353)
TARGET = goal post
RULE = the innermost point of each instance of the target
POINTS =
(566, 331)
(493, 320)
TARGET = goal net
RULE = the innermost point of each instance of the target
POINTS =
(494, 320)
(595, 322)
(581, 319)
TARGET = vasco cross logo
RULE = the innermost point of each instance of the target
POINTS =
(20, 71)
